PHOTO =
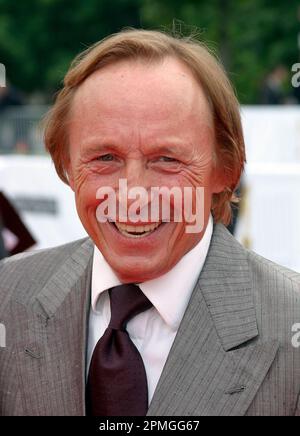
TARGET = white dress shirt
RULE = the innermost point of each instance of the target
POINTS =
(154, 330)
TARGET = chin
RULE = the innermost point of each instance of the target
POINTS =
(135, 271)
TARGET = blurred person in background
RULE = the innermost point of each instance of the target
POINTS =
(9, 96)
(11, 99)
(3, 252)
(296, 95)
(273, 92)
(11, 221)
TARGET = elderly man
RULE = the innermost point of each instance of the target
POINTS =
(147, 317)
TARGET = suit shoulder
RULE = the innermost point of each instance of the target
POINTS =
(272, 278)
(35, 257)
(34, 267)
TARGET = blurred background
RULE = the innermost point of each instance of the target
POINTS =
(258, 42)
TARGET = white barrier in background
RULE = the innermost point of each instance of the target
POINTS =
(272, 134)
(45, 203)
(271, 222)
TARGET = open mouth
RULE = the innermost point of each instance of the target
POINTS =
(136, 231)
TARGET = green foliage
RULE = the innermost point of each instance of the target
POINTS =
(39, 38)
(251, 36)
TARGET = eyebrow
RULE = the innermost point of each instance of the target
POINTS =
(97, 147)
(167, 147)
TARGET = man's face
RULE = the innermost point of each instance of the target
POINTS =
(151, 125)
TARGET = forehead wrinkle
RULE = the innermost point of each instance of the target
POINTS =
(132, 80)
(140, 121)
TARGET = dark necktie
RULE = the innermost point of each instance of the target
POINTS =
(117, 382)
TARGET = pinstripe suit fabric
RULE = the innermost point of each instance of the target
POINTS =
(232, 355)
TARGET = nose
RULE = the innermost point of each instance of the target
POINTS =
(135, 173)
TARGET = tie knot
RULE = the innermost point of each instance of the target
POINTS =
(126, 301)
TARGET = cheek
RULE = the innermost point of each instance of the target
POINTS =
(87, 183)
(191, 178)
(85, 194)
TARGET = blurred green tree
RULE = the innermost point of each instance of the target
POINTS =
(39, 38)
(250, 36)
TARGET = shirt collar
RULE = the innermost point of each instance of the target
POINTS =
(169, 293)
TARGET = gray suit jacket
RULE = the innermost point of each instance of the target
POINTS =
(232, 355)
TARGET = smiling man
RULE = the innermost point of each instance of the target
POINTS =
(146, 317)
(127, 132)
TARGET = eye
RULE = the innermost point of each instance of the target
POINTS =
(106, 157)
(166, 159)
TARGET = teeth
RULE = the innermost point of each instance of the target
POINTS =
(136, 231)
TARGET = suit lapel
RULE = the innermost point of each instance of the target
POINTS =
(216, 364)
(51, 353)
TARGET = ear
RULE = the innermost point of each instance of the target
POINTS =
(219, 179)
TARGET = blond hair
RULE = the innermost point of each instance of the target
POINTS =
(153, 46)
